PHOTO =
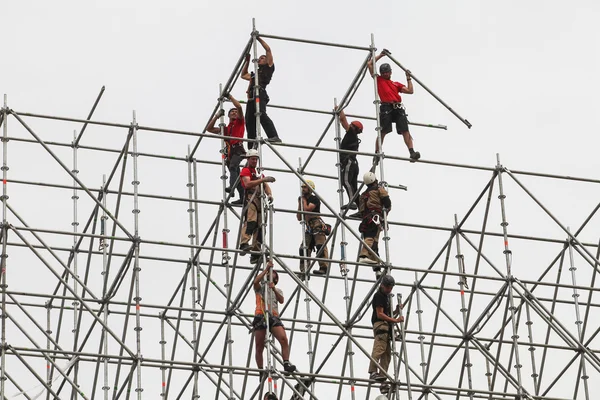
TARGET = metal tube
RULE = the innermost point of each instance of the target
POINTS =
(136, 266)
(104, 247)
(464, 121)
(345, 46)
(78, 138)
(4, 256)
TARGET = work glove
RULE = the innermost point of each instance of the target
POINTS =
(269, 179)
(270, 200)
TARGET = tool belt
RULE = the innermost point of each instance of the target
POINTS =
(381, 331)
(316, 225)
(374, 216)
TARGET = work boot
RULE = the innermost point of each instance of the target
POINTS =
(244, 247)
(384, 388)
(237, 202)
(351, 206)
(288, 367)
(378, 271)
(321, 271)
(415, 156)
(273, 140)
(228, 189)
(356, 215)
(376, 377)
(254, 258)
(366, 260)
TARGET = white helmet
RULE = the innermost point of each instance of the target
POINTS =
(252, 153)
(369, 178)
(381, 397)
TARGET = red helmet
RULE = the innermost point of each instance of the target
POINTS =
(358, 125)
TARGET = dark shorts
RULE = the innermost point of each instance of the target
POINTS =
(389, 114)
(259, 323)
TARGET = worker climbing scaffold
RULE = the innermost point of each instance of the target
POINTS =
(254, 183)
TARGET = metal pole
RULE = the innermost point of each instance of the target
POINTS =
(583, 370)
(4, 242)
(345, 46)
(462, 283)
(75, 252)
(104, 247)
(78, 138)
(464, 121)
(509, 278)
(404, 350)
(194, 284)
(136, 268)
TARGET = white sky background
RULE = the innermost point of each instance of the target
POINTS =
(523, 73)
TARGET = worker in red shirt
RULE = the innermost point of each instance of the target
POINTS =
(391, 109)
(234, 149)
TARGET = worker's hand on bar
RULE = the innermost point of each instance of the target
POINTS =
(220, 113)
(399, 320)
(386, 52)
(408, 74)
(270, 200)
(269, 179)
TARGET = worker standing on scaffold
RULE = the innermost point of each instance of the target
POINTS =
(315, 234)
(391, 109)
(383, 333)
(348, 163)
(373, 201)
(259, 324)
(253, 181)
(266, 67)
(234, 149)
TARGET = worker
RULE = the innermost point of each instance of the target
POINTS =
(383, 332)
(348, 163)
(315, 232)
(374, 201)
(234, 148)
(254, 183)
(266, 67)
(268, 298)
(391, 109)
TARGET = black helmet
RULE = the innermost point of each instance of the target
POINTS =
(383, 68)
(388, 281)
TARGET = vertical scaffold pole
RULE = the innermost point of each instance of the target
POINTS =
(305, 263)
(404, 351)
(578, 322)
(509, 278)
(421, 337)
(378, 159)
(225, 253)
(163, 355)
(48, 343)
(4, 242)
(136, 270)
(191, 211)
(104, 218)
(343, 244)
(75, 223)
(462, 283)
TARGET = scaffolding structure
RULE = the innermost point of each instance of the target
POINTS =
(104, 312)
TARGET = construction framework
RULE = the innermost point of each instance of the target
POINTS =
(500, 332)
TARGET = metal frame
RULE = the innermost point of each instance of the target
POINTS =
(477, 352)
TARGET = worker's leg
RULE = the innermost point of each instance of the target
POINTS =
(251, 123)
(386, 357)
(305, 251)
(279, 333)
(250, 224)
(353, 177)
(265, 120)
(234, 171)
(260, 332)
(370, 234)
(385, 119)
(321, 250)
(379, 344)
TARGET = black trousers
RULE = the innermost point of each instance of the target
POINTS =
(349, 172)
(233, 164)
(265, 120)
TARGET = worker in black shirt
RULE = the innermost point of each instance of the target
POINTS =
(314, 235)
(382, 328)
(266, 67)
(348, 163)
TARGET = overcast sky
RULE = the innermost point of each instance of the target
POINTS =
(523, 73)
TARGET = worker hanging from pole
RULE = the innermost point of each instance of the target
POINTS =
(383, 331)
(254, 182)
(316, 231)
(348, 163)
(234, 149)
(392, 109)
(257, 94)
(374, 201)
(267, 304)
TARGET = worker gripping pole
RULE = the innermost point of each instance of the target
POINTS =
(136, 269)
(192, 263)
(343, 244)
(3, 285)
(403, 350)
(462, 283)
(464, 121)
(105, 387)
(584, 376)
(510, 279)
